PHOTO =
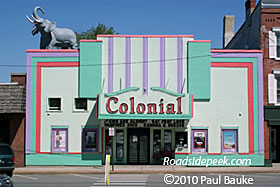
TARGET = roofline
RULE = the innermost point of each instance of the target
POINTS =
(200, 41)
(85, 40)
(52, 50)
(235, 51)
(148, 36)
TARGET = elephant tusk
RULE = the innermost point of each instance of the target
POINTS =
(29, 19)
(36, 19)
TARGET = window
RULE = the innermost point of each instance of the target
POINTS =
(278, 88)
(274, 43)
(181, 139)
(199, 141)
(277, 44)
(54, 104)
(90, 140)
(229, 141)
(274, 87)
(81, 104)
(59, 140)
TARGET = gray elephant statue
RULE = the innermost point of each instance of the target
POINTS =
(50, 35)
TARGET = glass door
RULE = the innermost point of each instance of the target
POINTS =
(138, 146)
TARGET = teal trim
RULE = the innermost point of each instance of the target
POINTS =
(59, 127)
(254, 61)
(90, 70)
(33, 92)
(229, 127)
(256, 159)
(199, 70)
(200, 127)
(144, 116)
(121, 91)
(63, 159)
(167, 91)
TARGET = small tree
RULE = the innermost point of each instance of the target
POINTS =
(93, 32)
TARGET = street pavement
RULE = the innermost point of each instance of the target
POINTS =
(142, 169)
(140, 180)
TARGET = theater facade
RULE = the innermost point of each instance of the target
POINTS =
(141, 98)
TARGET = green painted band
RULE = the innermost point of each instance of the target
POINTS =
(121, 91)
(167, 91)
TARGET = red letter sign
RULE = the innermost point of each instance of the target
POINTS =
(108, 105)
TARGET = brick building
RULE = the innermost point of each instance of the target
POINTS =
(261, 30)
(12, 115)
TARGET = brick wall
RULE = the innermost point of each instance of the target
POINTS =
(17, 136)
(270, 18)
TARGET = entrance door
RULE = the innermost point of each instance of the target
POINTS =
(275, 144)
(138, 146)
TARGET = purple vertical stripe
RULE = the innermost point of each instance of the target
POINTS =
(28, 91)
(162, 62)
(261, 112)
(127, 62)
(145, 66)
(260, 90)
(28, 103)
(179, 64)
(110, 64)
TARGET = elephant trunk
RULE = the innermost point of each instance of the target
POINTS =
(35, 14)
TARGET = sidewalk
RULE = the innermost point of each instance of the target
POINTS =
(143, 169)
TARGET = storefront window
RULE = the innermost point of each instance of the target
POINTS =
(157, 142)
(199, 140)
(90, 140)
(120, 144)
(168, 140)
(181, 139)
(59, 140)
(229, 143)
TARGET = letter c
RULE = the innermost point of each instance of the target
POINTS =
(108, 105)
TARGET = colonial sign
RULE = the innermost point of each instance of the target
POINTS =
(142, 108)
(132, 104)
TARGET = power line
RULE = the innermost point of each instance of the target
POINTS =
(117, 63)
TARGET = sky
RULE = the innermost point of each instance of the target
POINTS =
(201, 18)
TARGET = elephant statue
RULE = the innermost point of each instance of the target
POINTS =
(50, 35)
